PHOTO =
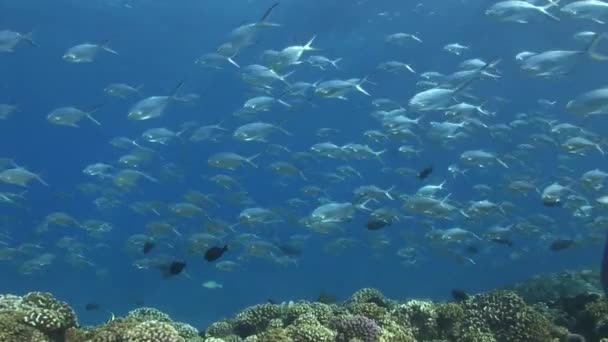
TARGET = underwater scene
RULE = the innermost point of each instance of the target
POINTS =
(301, 171)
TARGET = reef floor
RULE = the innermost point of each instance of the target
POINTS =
(566, 306)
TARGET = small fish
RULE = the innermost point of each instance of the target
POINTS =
(425, 172)
(471, 250)
(327, 299)
(148, 247)
(604, 267)
(459, 295)
(173, 269)
(212, 285)
(92, 307)
(376, 223)
(502, 241)
(215, 253)
(289, 249)
(561, 244)
(112, 318)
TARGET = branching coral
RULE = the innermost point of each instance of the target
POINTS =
(356, 326)
(255, 319)
(153, 331)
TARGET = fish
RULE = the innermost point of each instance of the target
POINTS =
(148, 247)
(215, 253)
(425, 172)
(502, 241)
(375, 223)
(561, 244)
(459, 295)
(604, 267)
(92, 307)
(173, 268)
(326, 298)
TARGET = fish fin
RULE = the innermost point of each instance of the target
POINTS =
(29, 38)
(231, 61)
(105, 46)
(90, 117)
(591, 49)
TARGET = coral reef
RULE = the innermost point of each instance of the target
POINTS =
(541, 310)
(551, 287)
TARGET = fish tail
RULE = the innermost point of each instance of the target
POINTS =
(591, 49)
(250, 162)
(175, 89)
(231, 61)
(551, 3)
(335, 64)
(105, 46)
(283, 77)
(90, 117)
(41, 180)
(29, 38)
(309, 47)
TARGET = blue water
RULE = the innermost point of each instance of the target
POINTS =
(158, 42)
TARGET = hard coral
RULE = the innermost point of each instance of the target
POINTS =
(507, 317)
(219, 329)
(13, 330)
(369, 310)
(274, 335)
(307, 329)
(46, 313)
(255, 319)
(153, 331)
(420, 316)
(370, 295)
(356, 326)
(148, 314)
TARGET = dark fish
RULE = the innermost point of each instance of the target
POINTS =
(268, 11)
(289, 250)
(172, 269)
(459, 295)
(425, 172)
(376, 223)
(148, 246)
(604, 267)
(327, 299)
(502, 241)
(552, 203)
(139, 302)
(561, 244)
(215, 253)
(270, 301)
(471, 250)
(92, 307)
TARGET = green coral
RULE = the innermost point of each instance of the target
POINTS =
(13, 330)
(44, 312)
(292, 311)
(323, 312)
(153, 331)
(185, 330)
(274, 335)
(255, 319)
(393, 332)
(420, 316)
(449, 317)
(369, 310)
(219, 329)
(308, 329)
(507, 317)
(370, 295)
(148, 314)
